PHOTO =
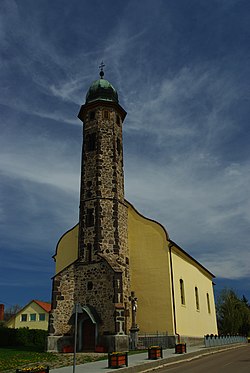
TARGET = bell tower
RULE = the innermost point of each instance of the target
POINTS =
(103, 225)
(98, 279)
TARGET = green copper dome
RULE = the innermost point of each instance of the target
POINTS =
(102, 90)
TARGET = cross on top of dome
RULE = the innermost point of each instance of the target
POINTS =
(101, 70)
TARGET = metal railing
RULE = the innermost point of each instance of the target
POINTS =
(221, 340)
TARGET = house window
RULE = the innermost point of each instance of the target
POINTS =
(90, 218)
(32, 317)
(91, 142)
(24, 317)
(182, 292)
(41, 316)
(208, 304)
(197, 298)
(92, 115)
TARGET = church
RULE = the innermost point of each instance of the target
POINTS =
(120, 267)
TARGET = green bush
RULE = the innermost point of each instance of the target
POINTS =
(7, 336)
(39, 337)
(23, 337)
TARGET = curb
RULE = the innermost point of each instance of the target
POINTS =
(161, 363)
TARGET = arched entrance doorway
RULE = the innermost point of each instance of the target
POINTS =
(88, 335)
(87, 329)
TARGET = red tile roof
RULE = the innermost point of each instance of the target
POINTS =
(45, 305)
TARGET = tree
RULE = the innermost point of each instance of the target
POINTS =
(245, 329)
(11, 311)
(244, 300)
(233, 313)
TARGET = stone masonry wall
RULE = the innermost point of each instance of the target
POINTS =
(62, 302)
(102, 198)
(88, 285)
(95, 287)
(102, 188)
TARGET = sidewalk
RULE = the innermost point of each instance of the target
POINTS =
(136, 363)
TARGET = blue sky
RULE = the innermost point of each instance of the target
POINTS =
(182, 72)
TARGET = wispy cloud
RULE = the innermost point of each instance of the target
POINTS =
(184, 84)
(201, 213)
(230, 266)
(183, 105)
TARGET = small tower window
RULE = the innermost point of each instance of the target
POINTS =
(118, 121)
(89, 252)
(197, 298)
(90, 218)
(106, 114)
(118, 145)
(208, 304)
(91, 142)
(182, 292)
(90, 285)
(92, 115)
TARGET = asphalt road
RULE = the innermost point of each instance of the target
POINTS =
(230, 361)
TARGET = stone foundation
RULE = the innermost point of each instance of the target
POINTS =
(116, 343)
(56, 343)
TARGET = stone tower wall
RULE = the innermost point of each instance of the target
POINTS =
(103, 213)
(102, 186)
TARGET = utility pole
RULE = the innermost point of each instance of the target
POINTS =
(77, 309)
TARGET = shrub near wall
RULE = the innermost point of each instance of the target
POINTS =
(7, 337)
(39, 337)
(23, 337)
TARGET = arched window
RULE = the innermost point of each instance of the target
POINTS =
(105, 114)
(89, 285)
(92, 115)
(89, 253)
(118, 145)
(208, 304)
(182, 291)
(197, 298)
(90, 142)
(90, 218)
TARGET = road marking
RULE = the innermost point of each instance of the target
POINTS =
(228, 364)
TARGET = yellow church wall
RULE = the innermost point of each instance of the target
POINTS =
(190, 320)
(150, 273)
(31, 309)
(151, 279)
(67, 249)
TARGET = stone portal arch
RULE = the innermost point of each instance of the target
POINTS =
(88, 329)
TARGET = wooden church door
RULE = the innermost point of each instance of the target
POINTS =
(88, 335)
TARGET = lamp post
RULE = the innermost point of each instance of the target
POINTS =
(77, 309)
